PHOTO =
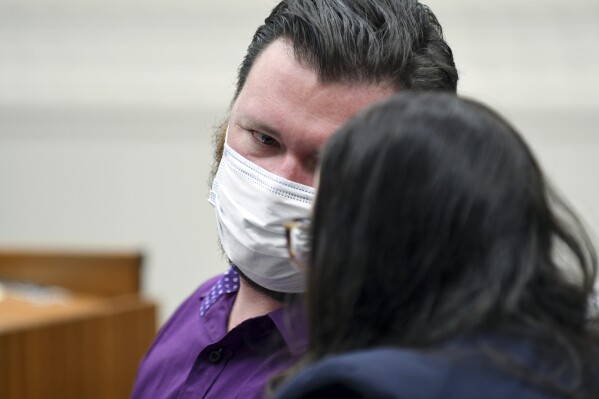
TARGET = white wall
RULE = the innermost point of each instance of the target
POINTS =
(106, 115)
(107, 108)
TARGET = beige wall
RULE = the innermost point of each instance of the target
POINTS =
(106, 110)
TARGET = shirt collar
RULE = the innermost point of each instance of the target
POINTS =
(290, 319)
(228, 283)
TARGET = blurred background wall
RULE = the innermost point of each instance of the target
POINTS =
(107, 109)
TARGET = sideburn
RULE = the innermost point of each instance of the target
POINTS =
(218, 143)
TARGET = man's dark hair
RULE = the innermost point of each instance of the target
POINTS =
(395, 42)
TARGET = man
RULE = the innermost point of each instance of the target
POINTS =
(309, 68)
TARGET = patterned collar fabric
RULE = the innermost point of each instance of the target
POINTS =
(228, 283)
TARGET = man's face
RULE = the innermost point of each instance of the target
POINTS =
(284, 114)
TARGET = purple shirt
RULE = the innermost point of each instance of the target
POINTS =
(193, 356)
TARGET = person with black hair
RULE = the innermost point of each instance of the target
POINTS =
(310, 67)
(441, 264)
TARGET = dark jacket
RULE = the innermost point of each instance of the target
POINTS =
(457, 371)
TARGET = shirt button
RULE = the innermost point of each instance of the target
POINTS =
(215, 356)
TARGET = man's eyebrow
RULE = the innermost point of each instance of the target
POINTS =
(248, 122)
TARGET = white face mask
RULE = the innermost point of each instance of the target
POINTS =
(251, 206)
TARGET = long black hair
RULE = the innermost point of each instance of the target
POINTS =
(434, 220)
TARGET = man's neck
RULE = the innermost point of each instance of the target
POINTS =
(250, 303)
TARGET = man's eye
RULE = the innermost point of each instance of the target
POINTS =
(264, 139)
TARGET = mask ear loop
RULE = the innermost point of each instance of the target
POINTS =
(215, 181)
(226, 143)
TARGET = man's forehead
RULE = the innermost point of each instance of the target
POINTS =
(277, 72)
(286, 99)
(321, 109)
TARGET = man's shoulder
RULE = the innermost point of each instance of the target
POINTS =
(188, 311)
(191, 305)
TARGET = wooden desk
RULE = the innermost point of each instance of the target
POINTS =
(87, 346)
